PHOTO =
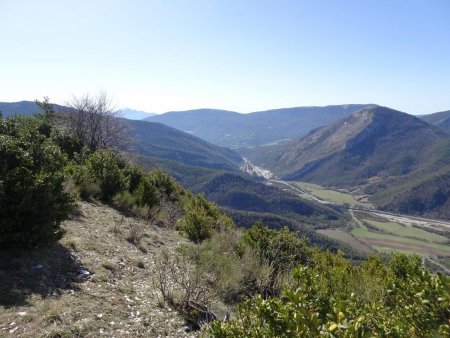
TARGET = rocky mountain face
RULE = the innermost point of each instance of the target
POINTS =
(371, 142)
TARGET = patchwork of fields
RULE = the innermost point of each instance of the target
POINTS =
(374, 232)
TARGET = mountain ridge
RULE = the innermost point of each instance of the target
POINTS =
(358, 135)
(401, 161)
(439, 119)
(158, 140)
(232, 129)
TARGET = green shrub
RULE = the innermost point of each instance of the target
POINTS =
(202, 218)
(32, 199)
(124, 201)
(416, 306)
(280, 251)
(67, 143)
(135, 174)
(99, 175)
(104, 165)
(197, 224)
(155, 187)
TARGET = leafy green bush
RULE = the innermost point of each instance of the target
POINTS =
(415, 305)
(32, 198)
(202, 218)
(99, 175)
(155, 187)
(104, 165)
(135, 174)
(124, 201)
(280, 250)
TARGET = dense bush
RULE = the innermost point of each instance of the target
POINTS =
(32, 198)
(278, 250)
(99, 175)
(326, 300)
(156, 186)
(202, 218)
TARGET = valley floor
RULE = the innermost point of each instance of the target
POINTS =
(374, 231)
(93, 283)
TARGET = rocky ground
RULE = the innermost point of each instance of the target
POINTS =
(98, 281)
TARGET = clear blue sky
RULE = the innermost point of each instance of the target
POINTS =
(239, 55)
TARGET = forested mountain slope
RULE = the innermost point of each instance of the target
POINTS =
(158, 140)
(379, 149)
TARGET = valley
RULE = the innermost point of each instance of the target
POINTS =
(225, 169)
(372, 230)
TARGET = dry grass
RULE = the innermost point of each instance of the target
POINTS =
(117, 300)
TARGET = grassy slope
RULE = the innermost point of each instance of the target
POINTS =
(118, 300)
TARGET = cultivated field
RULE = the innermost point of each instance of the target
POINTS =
(341, 197)
(374, 231)
(377, 231)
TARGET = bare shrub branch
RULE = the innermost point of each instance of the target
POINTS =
(95, 121)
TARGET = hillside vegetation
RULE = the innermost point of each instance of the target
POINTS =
(248, 201)
(116, 275)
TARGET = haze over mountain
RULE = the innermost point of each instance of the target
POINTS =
(440, 119)
(132, 114)
(235, 130)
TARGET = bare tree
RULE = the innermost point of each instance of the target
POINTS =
(95, 122)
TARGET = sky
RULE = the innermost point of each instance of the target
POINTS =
(239, 55)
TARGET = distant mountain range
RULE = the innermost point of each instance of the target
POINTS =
(30, 107)
(156, 140)
(441, 119)
(235, 130)
(401, 161)
(22, 108)
(365, 144)
(132, 114)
